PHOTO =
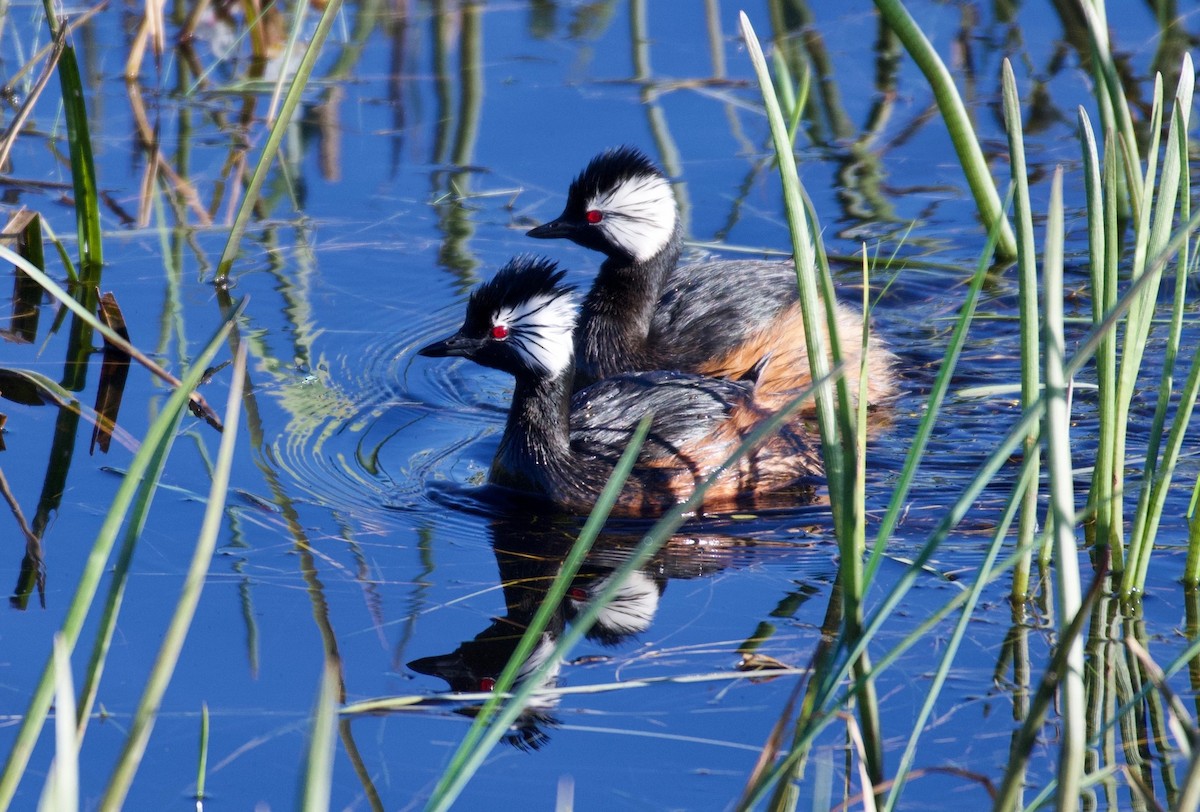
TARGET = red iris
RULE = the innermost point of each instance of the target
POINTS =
(594, 216)
(500, 331)
(487, 684)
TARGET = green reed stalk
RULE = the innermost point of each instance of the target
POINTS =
(87, 217)
(317, 786)
(61, 793)
(1110, 94)
(803, 254)
(1102, 255)
(826, 700)
(958, 123)
(119, 576)
(1157, 476)
(1141, 314)
(185, 609)
(1023, 485)
(832, 670)
(83, 173)
(1061, 523)
(835, 420)
(161, 433)
(1028, 316)
(491, 721)
(275, 138)
(202, 763)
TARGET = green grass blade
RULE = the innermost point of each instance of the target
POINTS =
(962, 134)
(491, 722)
(202, 766)
(827, 693)
(138, 514)
(83, 176)
(1027, 313)
(62, 783)
(1174, 186)
(1113, 97)
(1061, 524)
(1029, 470)
(159, 432)
(806, 276)
(318, 774)
(466, 762)
(275, 138)
(185, 609)
(933, 405)
(1100, 495)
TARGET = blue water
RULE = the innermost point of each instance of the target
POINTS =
(358, 528)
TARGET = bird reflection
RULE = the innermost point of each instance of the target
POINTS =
(530, 550)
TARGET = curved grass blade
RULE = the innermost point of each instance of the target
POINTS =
(449, 789)
(962, 135)
(275, 138)
(109, 334)
(168, 654)
(826, 697)
(1028, 316)
(1061, 524)
(160, 434)
(491, 722)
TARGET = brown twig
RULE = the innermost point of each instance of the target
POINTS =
(14, 129)
(30, 536)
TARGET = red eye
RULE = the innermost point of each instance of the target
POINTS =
(594, 216)
(487, 684)
(500, 331)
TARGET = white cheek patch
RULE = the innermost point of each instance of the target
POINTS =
(540, 330)
(633, 608)
(639, 215)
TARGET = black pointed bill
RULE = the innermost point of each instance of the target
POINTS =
(456, 345)
(555, 229)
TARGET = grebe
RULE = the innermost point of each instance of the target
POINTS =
(564, 448)
(716, 318)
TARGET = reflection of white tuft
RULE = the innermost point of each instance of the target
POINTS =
(639, 214)
(540, 331)
(541, 653)
(633, 607)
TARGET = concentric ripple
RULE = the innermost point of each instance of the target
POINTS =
(378, 427)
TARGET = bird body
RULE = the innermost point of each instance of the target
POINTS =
(714, 318)
(564, 447)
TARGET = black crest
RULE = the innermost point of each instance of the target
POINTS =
(521, 279)
(608, 169)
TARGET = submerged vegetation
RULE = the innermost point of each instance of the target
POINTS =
(1084, 492)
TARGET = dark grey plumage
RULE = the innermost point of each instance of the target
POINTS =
(564, 448)
(722, 317)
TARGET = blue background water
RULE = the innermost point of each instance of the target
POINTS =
(357, 527)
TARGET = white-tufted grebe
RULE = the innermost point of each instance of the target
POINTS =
(716, 318)
(564, 448)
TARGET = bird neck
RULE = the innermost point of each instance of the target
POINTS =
(614, 321)
(536, 441)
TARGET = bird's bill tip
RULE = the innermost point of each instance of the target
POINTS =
(455, 345)
(555, 229)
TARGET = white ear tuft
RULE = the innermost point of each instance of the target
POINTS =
(541, 331)
(639, 214)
